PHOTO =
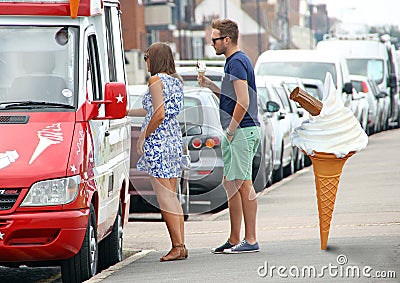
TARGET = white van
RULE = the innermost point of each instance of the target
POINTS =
(371, 56)
(308, 64)
(65, 138)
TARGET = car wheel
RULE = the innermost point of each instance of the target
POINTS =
(270, 166)
(83, 265)
(278, 174)
(259, 172)
(110, 249)
(289, 169)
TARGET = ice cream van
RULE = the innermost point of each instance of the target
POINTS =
(64, 137)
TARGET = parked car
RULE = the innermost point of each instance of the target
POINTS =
(311, 64)
(369, 55)
(283, 151)
(314, 87)
(379, 103)
(384, 105)
(203, 134)
(296, 115)
(314, 64)
(143, 198)
(215, 71)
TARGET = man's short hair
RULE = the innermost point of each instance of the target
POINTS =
(227, 28)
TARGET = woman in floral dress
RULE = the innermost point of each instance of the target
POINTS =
(160, 141)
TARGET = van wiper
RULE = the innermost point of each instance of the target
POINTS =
(33, 104)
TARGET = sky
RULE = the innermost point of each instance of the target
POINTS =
(371, 12)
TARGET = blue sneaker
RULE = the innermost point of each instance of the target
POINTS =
(243, 247)
(220, 249)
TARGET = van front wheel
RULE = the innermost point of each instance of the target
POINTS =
(110, 249)
(83, 265)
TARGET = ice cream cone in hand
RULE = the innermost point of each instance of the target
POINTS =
(327, 171)
(201, 68)
(329, 138)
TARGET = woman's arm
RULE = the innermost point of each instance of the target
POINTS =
(137, 112)
(156, 86)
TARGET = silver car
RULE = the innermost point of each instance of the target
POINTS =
(284, 155)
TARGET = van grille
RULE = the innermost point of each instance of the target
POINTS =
(8, 197)
(14, 119)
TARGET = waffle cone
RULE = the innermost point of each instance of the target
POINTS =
(327, 171)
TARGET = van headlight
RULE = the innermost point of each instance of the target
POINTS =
(52, 192)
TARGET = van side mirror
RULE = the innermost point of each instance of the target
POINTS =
(348, 88)
(272, 106)
(115, 101)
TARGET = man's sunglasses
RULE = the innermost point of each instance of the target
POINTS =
(214, 40)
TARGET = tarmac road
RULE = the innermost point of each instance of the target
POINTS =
(363, 246)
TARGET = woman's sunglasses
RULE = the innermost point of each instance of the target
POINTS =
(145, 57)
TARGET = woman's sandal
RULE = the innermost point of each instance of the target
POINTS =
(176, 253)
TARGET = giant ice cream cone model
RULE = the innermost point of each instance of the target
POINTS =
(329, 137)
(327, 170)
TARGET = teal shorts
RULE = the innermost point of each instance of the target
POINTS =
(238, 155)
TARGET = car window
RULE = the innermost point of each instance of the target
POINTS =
(192, 111)
(283, 96)
(312, 89)
(357, 85)
(312, 70)
(371, 68)
(263, 97)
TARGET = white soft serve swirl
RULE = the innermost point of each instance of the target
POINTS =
(335, 130)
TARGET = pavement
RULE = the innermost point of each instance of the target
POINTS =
(363, 246)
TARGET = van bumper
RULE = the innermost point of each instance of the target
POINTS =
(41, 236)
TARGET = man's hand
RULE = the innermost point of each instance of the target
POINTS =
(203, 81)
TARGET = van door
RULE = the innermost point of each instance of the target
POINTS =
(99, 130)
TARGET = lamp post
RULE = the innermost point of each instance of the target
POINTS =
(259, 27)
(310, 11)
(225, 9)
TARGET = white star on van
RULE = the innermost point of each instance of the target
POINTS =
(120, 98)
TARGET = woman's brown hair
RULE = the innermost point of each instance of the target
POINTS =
(161, 59)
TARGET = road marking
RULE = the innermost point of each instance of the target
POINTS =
(337, 226)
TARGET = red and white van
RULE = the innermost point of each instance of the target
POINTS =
(64, 137)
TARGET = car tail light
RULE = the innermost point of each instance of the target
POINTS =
(364, 87)
(211, 142)
(197, 143)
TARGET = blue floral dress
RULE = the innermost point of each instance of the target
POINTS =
(163, 148)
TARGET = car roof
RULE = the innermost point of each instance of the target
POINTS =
(358, 77)
(297, 55)
(193, 63)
